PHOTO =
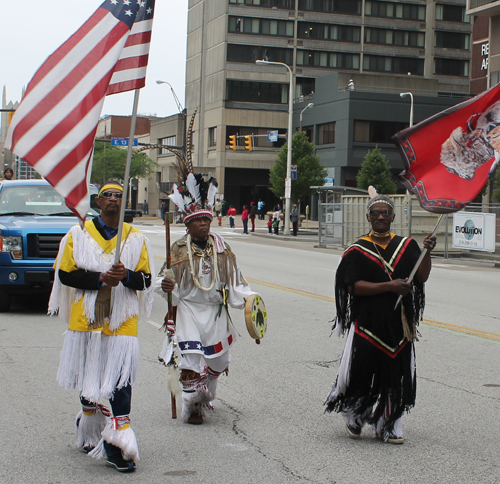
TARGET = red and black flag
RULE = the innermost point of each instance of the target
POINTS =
(449, 156)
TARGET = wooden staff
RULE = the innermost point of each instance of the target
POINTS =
(170, 316)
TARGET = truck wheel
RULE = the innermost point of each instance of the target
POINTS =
(4, 301)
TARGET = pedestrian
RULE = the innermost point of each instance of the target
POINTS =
(231, 212)
(8, 174)
(294, 218)
(376, 380)
(260, 208)
(350, 86)
(163, 210)
(145, 207)
(205, 280)
(270, 224)
(244, 219)
(218, 211)
(252, 214)
(225, 208)
(276, 219)
(101, 301)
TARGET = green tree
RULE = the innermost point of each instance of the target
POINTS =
(496, 186)
(310, 172)
(109, 164)
(375, 171)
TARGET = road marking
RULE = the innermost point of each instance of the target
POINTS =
(430, 322)
(154, 323)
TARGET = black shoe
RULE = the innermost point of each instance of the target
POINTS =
(88, 448)
(354, 431)
(120, 464)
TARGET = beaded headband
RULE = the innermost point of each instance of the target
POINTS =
(107, 186)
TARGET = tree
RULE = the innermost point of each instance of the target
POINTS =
(375, 171)
(310, 172)
(109, 164)
(496, 183)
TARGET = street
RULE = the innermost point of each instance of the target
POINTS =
(269, 424)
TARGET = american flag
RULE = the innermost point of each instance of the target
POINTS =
(54, 127)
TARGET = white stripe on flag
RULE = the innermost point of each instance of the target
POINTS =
(73, 178)
(142, 26)
(67, 104)
(134, 51)
(54, 77)
(128, 75)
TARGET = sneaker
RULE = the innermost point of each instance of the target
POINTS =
(393, 439)
(88, 448)
(354, 431)
(120, 464)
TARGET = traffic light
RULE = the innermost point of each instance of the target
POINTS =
(232, 142)
(248, 142)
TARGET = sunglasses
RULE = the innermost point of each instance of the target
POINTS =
(111, 195)
(384, 213)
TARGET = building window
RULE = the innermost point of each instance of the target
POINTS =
(288, 4)
(394, 37)
(342, 33)
(395, 65)
(451, 13)
(376, 131)
(251, 53)
(257, 92)
(259, 139)
(451, 67)
(212, 137)
(326, 133)
(335, 60)
(168, 141)
(352, 7)
(395, 10)
(248, 25)
(452, 40)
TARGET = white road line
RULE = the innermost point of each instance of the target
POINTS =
(153, 323)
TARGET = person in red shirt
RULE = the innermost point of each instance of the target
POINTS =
(231, 212)
(244, 219)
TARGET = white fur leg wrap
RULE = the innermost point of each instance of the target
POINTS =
(122, 437)
(90, 426)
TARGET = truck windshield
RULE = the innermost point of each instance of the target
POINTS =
(34, 200)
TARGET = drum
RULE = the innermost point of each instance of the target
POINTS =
(256, 317)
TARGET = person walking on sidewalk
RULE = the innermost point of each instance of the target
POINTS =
(244, 219)
(252, 215)
(294, 218)
(232, 213)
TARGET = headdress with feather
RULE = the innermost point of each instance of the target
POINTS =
(193, 195)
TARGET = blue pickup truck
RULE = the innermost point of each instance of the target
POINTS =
(33, 220)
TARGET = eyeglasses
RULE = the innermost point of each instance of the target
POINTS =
(118, 196)
(384, 213)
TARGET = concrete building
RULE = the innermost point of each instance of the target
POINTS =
(385, 47)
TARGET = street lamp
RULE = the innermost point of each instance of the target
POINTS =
(286, 226)
(404, 94)
(310, 105)
(176, 99)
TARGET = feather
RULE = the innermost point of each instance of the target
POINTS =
(189, 144)
(192, 184)
(177, 198)
(212, 191)
(372, 191)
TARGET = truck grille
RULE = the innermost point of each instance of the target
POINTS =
(44, 246)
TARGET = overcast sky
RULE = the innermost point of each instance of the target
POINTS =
(32, 29)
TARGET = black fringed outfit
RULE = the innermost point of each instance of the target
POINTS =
(376, 381)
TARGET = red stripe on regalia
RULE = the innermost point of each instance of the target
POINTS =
(400, 253)
(366, 254)
(377, 344)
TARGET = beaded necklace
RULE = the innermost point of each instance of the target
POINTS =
(207, 263)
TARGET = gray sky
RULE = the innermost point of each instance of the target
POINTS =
(31, 30)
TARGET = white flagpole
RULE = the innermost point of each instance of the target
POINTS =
(127, 175)
(419, 261)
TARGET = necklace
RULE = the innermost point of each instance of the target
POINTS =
(380, 235)
(207, 263)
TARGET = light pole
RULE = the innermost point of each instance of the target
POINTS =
(176, 99)
(310, 105)
(286, 225)
(404, 94)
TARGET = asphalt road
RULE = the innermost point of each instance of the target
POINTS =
(269, 424)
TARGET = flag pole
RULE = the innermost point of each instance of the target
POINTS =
(126, 176)
(419, 261)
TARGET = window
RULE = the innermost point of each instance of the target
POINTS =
(326, 133)
(251, 53)
(451, 13)
(212, 136)
(312, 58)
(451, 67)
(249, 25)
(257, 92)
(288, 4)
(258, 141)
(352, 7)
(169, 141)
(395, 65)
(395, 10)
(343, 33)
(376, 131)
(394, 37)
(452, 40)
